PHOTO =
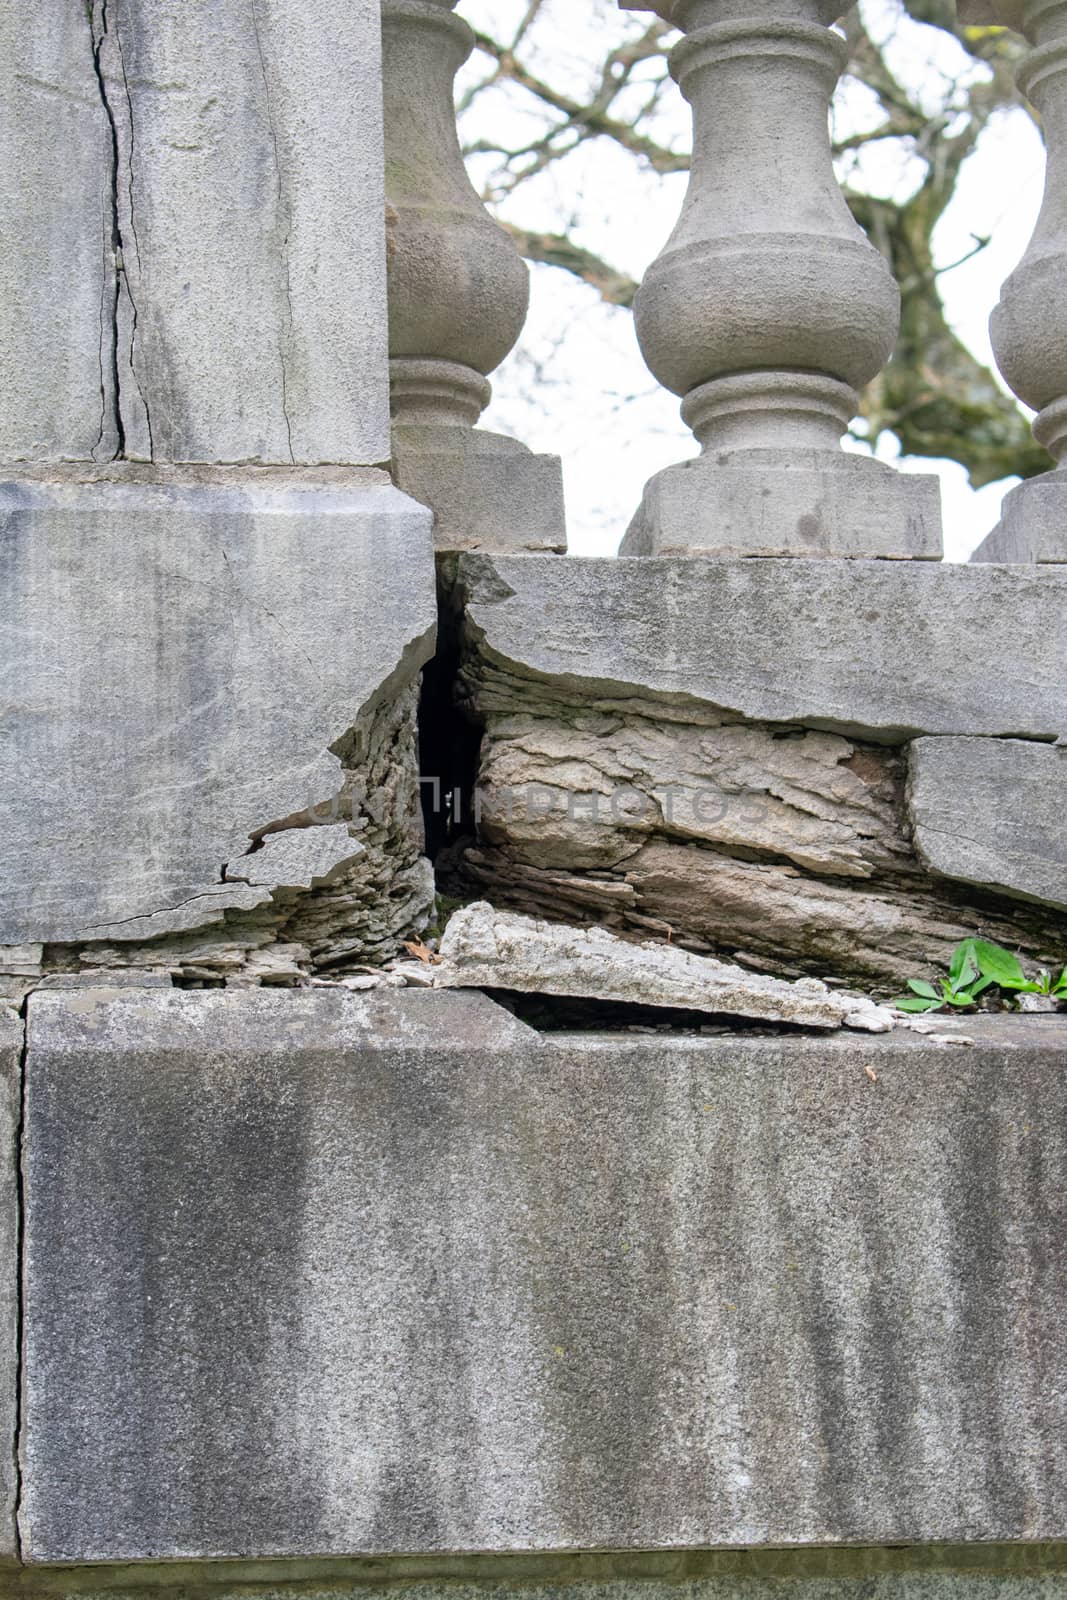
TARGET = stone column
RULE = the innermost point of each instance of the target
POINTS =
(769, 309)
(458, 293)
(1029, 326)
(215, 600)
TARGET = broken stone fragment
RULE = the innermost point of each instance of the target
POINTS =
(297, 858)
(482, 948)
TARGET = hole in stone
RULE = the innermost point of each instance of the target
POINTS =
(449, 743)
(548, 1013)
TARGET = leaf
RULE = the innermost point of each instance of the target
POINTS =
(927, 990)
(960, 998)
(963, 967)
(997, 964)
(421, 952)
(907, 1002)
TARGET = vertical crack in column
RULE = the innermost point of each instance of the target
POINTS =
(101, 35)
(283, 211)
(97, 14)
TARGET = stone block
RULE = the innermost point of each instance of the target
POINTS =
(992, 812)
(331, 1274)
(217, 172)
(487, 492)
(55, 236)
(1033, 523)
(833, 505)
(11, 1037)
(191, 656)
(875, 649)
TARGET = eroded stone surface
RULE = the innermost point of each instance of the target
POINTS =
(870, 648)
(189, 662)
(328, 1273)
(992, 812)
(783, 846)
(488, 949)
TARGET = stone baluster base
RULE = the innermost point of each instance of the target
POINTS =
(755, 491)
(487, 491)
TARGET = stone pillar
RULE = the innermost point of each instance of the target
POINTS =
(769, 309)
(1029, 326)
(458, 293)
(213, 594)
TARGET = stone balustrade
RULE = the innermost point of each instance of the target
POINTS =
(769, 309)
(458, 293)
(1029, 326)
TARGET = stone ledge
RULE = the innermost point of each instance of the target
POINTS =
(313, 1275)
(874, 649)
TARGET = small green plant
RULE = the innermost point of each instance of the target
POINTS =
(978, 965)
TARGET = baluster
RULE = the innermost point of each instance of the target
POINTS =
(1028, 328)
(458, 293)
(769, 308)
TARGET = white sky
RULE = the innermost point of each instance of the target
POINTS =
(577, 385)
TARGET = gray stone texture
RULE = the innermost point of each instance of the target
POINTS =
(829, 505)
(192, 656)
(487, 492)
(11, 1039)
(56, 269)
(327, 1274)
(875, 649)
(992, 812)
(192, 236)
(1033, 523)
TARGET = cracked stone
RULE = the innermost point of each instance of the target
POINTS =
(482, 948)
(298, 858)
(992, 812)
(620, 780)
(245, 319)
(254, 642)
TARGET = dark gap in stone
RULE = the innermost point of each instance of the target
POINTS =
(551, 1013)
(449, 741)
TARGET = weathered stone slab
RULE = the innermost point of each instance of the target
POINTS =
(482, 948)
(11, 1038)
(882, 649)
(250, 211)
(992, 812)
(56, 275)
(1033, 523)
(183, 657)
(325, 1273)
